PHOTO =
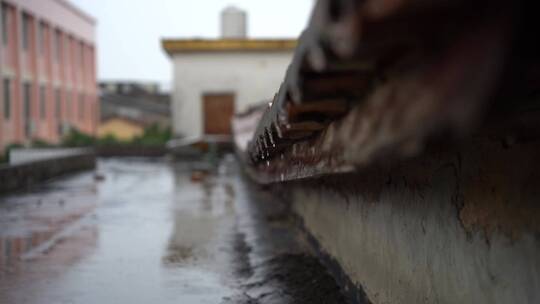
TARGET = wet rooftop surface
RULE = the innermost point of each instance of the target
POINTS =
(146, 233)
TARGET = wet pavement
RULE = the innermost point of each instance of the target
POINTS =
(147, 233)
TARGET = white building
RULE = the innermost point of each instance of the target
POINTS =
(215, 78)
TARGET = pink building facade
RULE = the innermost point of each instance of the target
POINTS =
(48, 68)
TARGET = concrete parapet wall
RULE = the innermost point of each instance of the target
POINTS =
(28, 155)
(131, 151)
(459, 225)
(14, 177)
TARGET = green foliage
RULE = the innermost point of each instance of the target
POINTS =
(153, 135)
(108, 140)
(76, 138)
(39, 143)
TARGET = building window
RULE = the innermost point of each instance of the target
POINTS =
(68, 104)
(42, 102)
(25, 32)
(7, 98)
(5, 24)
(58, 106)
(42, 31)
(58, 110)
(58, 45)
(67, 53)
(82, 54)
(27, 99)
(81, 106)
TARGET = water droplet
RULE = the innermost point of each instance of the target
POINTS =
(278, 130)
(271, 139)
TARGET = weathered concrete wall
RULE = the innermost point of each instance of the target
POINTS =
(455, 226)
(24, 175)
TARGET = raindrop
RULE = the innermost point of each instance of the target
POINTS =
(271, 139)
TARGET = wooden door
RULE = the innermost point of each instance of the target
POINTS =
(218, 111)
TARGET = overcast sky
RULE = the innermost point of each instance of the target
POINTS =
(129, 31)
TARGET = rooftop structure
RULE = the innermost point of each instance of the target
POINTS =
(215, 78)
(233, 23)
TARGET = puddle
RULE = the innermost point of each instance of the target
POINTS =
(148, 233)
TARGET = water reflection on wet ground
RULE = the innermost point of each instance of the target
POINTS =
(147, 233)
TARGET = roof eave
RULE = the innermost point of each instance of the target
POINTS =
(174, 46)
